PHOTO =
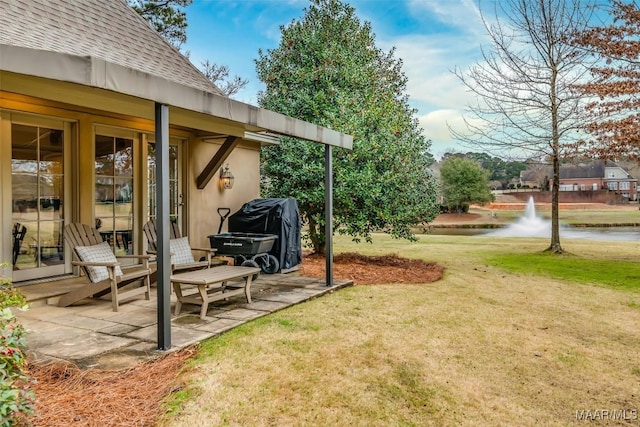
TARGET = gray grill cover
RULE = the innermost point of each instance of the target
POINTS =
(273, 216)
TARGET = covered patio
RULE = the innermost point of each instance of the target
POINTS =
(92, 335)
(118, 129)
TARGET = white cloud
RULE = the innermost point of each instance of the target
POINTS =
(435, 127)
(429, 61)
(438, 126)
(462, 14)
(436, 123)
(437, 93)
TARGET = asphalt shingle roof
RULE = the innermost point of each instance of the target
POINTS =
(106, 29)
(594, 169)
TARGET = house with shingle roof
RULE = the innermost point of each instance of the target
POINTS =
(620, 181)
(89, 93)
(598, 175)
(582, 177)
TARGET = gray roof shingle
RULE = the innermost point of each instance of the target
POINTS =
(105, 29)
(594, 169)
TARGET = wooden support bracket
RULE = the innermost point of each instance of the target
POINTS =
(216, 161)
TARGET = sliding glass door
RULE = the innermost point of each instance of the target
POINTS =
(38, 199)
(175, 193)
(113, 205)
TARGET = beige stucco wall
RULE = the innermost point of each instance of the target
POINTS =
(244, 164)
(200, 210)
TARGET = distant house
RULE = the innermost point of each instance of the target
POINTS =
(619, 180)
(599, 175)
(582, 177)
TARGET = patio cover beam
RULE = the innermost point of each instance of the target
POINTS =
(216, 161)
(98, 73)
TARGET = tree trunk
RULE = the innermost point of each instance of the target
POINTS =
(316, 236)
(555, 246)
(555, 159)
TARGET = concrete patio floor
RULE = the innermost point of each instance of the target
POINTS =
(91, 335)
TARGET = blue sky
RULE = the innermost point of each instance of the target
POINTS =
(432, 37)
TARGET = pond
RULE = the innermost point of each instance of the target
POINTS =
(631, 234)
(531, 225)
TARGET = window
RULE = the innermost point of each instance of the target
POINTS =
(37, 182)
(114, 191)
(612, 185)
(175, 196)
(625, 185)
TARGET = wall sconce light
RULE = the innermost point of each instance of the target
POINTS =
(226, 178)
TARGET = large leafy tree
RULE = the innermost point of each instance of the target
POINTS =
(524, 85)
(615, 88)
(464, 182)
(328, 71)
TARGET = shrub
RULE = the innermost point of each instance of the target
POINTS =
(462, 208)
(16, 397)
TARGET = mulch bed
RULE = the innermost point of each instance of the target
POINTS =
(372, 270)
(69, 396)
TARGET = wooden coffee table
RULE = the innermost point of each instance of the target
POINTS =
(213, 284)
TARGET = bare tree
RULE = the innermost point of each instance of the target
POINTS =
(219, 75)
(525, 102)
(169, 19)
(538, 171)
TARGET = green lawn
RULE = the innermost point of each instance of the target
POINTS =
(509, 336)
(618, 274)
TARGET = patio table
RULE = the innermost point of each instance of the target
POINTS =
(213, 284)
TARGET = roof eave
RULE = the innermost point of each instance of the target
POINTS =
(98, 73)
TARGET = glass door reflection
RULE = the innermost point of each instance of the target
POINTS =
(114, 192)
(37, 181)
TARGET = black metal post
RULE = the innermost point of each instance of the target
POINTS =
(328, 213)
(162, 226)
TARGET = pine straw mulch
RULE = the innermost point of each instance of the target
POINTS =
(373, 270)
(69, 396)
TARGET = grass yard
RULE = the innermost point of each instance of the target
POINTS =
(508, 337)
(618, 275)
(627, 214)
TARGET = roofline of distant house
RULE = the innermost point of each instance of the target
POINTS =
(98, 73)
